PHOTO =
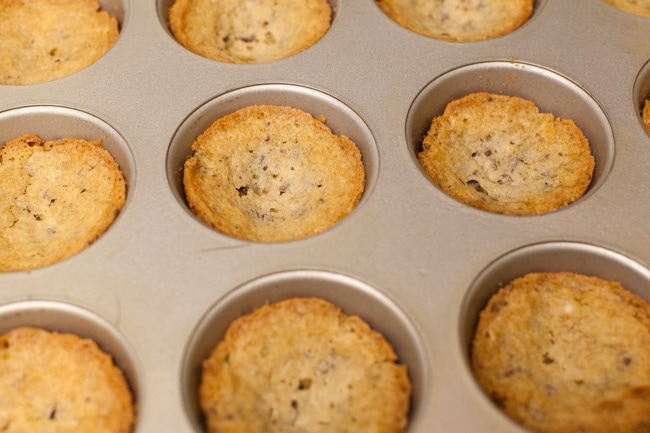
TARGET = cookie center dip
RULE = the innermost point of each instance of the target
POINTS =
(249, 31)
(500, 154)
(272, 174)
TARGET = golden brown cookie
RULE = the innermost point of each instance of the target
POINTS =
(44, 40)
(271, 174)
(637, 7)
(500, 154)
(459, 20)
(249, 31)
(57, 197)
(60, 383)
(303, 365)
(566, 353)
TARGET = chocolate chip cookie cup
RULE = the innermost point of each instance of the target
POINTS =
(82, 373)
(354, 297)
(458, 21)
(47, 40)
(563, 326)
(247, 32)
(482, 154)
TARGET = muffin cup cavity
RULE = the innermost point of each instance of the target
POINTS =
(55, 122)
(62, 317)
(352, 296)
(339, 117)
(52, 200)
(550, 91)
(574, 257)
(641, 93)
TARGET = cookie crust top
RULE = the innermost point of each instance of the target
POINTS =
(499, 153)
(564, 352)
(303, 365)
(236, 31)
(57, 198)
(44, 40)
(272, 174)
(459, 20)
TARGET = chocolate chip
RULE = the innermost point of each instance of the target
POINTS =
(304, 384)
(477, 186)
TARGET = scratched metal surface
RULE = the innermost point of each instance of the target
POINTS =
(159, 288)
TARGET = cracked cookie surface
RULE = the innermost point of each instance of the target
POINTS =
(249, 31)
(499, 153)
(271, 174)
(57, 198)
(60, 383)
(44, 40)
(459, 20)
(302, 365)
(564, 353)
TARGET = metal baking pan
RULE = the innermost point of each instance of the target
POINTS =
(160, 287)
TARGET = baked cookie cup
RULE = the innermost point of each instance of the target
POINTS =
(301, 364)
(58, 197)
(60, 382)
(459, 20)
(45, 40)
(500, 154)
(272, 174)
(260, 31)
(563, 352)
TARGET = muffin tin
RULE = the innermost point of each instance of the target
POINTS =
(158, 289)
